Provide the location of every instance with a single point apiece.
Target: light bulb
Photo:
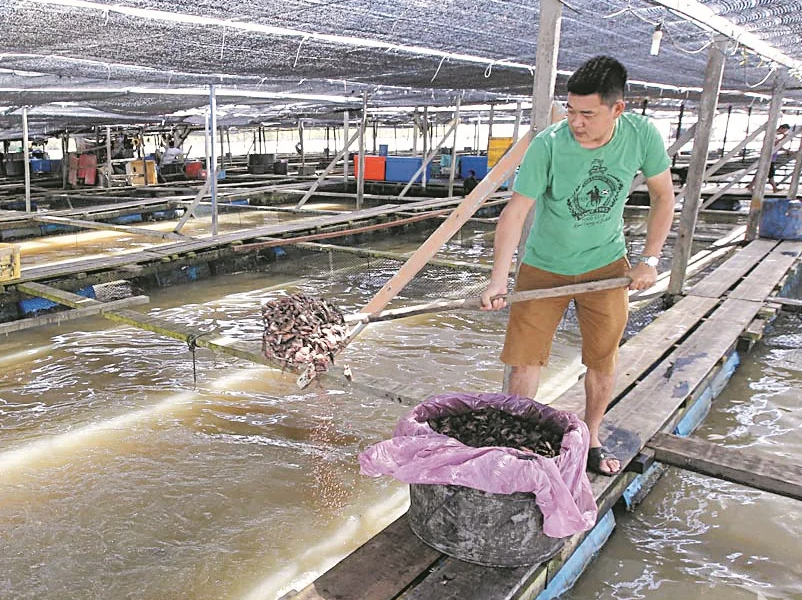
(656, 37)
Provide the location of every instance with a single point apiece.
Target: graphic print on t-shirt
(595, 197)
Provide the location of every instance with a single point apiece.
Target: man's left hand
(643, 276)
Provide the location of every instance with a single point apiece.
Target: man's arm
(658, 224)
(508, 235)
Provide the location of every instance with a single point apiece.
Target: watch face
(652, 261)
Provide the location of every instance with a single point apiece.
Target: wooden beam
(796, 305)
(71, 315)
(707, 112)
(746, 467)
(427, 158)
(191, 208)
(453, 170)
(759, 182)
(464, 211)
(26, 157)
(83, 224)
(326, 172)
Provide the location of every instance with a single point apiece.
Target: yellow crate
(9, 262)
(496, 148)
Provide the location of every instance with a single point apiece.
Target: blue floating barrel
(477, 164)
(781, 219)
(383, 149)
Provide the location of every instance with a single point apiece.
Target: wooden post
(794, 187)
(748, 122)
(301, 142)
(375, 135)
(679, 130)
(65, 158)
(490, 123)
(707, 113)
(109, 168)
(415, 132)
(345, 148)
(726, 129)
(228, 142)
(425, 142)
(518, 115)
(548, 45)
(360, 180)
(211, 169)
(26, 157)
(453, 169)
(762, 175)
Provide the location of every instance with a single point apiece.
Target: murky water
(698, 537)
(121, 476)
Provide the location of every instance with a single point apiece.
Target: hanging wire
(438, 69)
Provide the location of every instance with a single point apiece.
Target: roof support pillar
(490, 123)
(762, 175)
(65, 158)
(452, 171)
(211, 167)
(26, 154)
(301, 142)
(109, 169)
(360, 180)
(345, 148)
(425, 142)
(548, 45)
(517, 128)
(693, 186)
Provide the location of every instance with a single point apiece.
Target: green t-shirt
(580, 193)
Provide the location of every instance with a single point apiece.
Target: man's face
(592, 121)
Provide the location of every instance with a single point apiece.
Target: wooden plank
(728, 274)
(632, 422)
(378, 570)
(71, 315)
(638, 354)
(794, 305)
(82, 224)
(764, 278)
(745, 467)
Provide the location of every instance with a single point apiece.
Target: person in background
(469, 183)
(576, 174)
(782, 131)
(170, 155)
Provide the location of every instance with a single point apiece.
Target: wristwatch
(652, 261)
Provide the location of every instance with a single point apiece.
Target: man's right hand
(489, 301)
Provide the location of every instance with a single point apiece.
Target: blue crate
(383, 149)
(402, 168)
(477, 164)
(34, 305)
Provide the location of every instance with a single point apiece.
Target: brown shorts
(602, 318)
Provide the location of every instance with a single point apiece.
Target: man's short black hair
(601, 75)
(784, 126)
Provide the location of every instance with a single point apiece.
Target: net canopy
(152, 60)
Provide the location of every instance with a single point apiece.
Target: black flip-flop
(596, 456)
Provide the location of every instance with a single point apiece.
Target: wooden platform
(665, 369)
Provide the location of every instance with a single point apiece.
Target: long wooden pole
(762, 175)
(26, 155)
(475, 303)
(517, 128)
(360, 180)
(453, 170)
(427, 158)
(737, 178)
(690, 208)
(109, 169)
(425, 142)
(325, 173)
(448, 228)
(345, 149)
(212, 167)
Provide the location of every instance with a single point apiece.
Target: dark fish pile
(493, 427)
(301, 330)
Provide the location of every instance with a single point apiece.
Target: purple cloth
(418, 454)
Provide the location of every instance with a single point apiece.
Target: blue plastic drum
(781, 219)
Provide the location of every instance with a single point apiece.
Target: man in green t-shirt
(577, 174)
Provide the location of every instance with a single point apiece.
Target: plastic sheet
(418, 454)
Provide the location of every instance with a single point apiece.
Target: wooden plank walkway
(665, 366)
(744, 466)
